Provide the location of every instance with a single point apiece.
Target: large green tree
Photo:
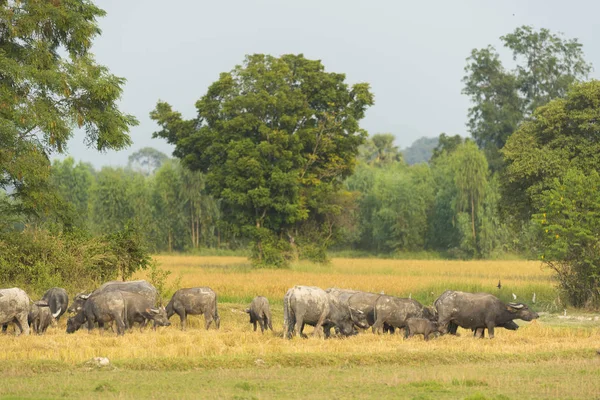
(50, 85)
(561, 135)
(547, 65)
(552, 163)
(274, 136)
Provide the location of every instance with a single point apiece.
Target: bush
(37, 259)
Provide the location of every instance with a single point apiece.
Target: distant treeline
(449, 206)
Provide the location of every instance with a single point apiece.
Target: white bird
(565, 312)
(514, 296)
(533, 298)
(410, 295)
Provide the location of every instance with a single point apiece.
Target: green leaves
(569, 223)
(547, 66)
(270, 136)
(44, 96)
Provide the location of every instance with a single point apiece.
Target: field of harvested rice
(553, 357)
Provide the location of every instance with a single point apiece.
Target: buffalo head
(159, 316)
(78, 303)
(521, 311)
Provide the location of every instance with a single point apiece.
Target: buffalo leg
(254, 323)
(299, 325)
(182, 318)
(377, 326)
(319, 324)
(490, 330)
(261, 323)
(208, 319)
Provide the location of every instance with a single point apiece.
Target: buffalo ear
(247, 310)
(511, 309)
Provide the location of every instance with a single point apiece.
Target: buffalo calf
(421, 326)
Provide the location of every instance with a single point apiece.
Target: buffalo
(58, 301)
(141, 310)
(313, 306)
(101, 308)
(14, 308)
(194, 301)
(40, 316)
(421, 326)
(361, 306)
(260, 313)
(478, 311)
(396, 311)
(141, 287)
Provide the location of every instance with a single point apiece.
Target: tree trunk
(473, 216)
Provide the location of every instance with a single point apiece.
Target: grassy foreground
(553, 357)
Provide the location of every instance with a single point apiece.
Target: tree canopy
(551, 175)
(547, 65)
(50, 85)
(274, 136)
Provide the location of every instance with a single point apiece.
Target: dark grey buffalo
(194, 301)
(40, 316)
(395, 311)
(260, 313)
(14, 308)
(361, 306)
(101, 308)
(141, 287)
(313, 306)
(421, 326)
(138, 308)
(478, 311)
(58, 300)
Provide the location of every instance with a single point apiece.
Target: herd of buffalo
(125, 303)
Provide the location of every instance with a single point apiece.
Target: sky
(412, 53)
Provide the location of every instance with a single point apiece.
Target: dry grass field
(553, 357)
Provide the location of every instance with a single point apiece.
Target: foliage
(560, 136)
(49, 85)
(445, 145)
(547, 65)
(570, 220)
(146, 160)
(393, 206)
(73, 184)
(552, 166)
(379, 150)
(272, 136)
(420, 151)
(38, 259)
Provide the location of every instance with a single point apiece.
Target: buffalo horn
(57, 313)
(517, 306)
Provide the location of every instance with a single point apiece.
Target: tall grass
(235, 281)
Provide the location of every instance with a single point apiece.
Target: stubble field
(553, 357)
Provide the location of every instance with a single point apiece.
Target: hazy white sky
(411, 52)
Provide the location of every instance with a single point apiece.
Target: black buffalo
(58, 300)
(478, 311)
